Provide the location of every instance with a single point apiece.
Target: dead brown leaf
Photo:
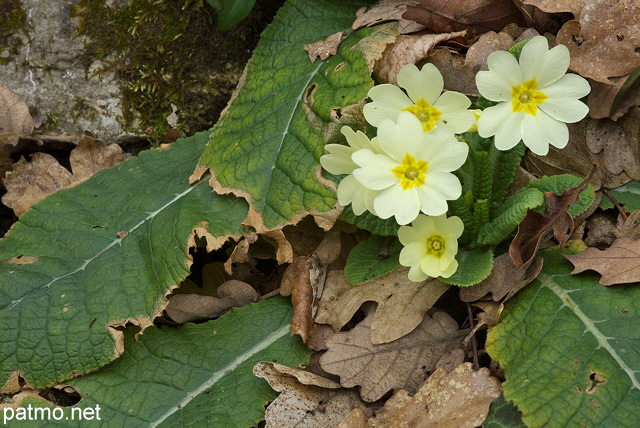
(603, 40)
(195, 307)
(505, 279)
(602, 95)
(15, 120)
(618, 264)
(29, 182)
(296, 282)
(458, 399)
(306, 399)
(460, 74)
(557, 6)
(408, 49)
(474, 16)
(403, 363)
(325, 48)
(386, 10)
(401, 303)
(535, 226)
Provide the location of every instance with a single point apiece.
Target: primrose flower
(412, 173)
(338, 161)
(425, 100)
(430, 246)
(536, 97)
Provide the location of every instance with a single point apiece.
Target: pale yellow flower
(338, 161)
(430, 246)
(412, 172)
(536, 97)
(424, 99)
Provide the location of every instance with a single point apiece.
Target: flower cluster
(408, 171)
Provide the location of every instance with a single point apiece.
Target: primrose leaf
(91, 258)
(268, 145)
(231, 12)
(558, 183)
(502, 414)
(568, 347)
(193, 375)
(370, 222)
(629, 195)
(372, 258)
(473, 267)
(504, 163)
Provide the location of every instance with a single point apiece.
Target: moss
(52, 125)
(12, 19)
(167, 52)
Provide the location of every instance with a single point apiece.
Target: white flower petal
(338, 161)
(453, 107)
(492, 86)
(431, 202)
(456, 227)
(556, 63)
(394, 201)
(413, 253)
(388, 101)
(423, 84)
(532, 58)
(430, 265)
(348, 189)
(398, 139)
(449, 158)
(375, 172)
(424, 226)
(357, 140)
(510, 134)
(492, 119)
(453, 267)
(569, 86)
(541, 130)
(416, 274)
(445, 184)
(506, 67)
(565, 109)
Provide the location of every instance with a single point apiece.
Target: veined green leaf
(193, 375)
(370, 222)
(365, 262)
(569, 349)
(503, 414)
(558, 183)
(267, 147)
(504, 164)
(628, 194)
(99, 255)
(473, 267)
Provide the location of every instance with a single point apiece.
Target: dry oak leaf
(15, 120)
(604, 40)
(459, 399)
(474, 16)
(602, 95)
(408, 49)
(557, 6)
(30, 182)
(535, 227)
(306, 399)
(296, 282)
(460, 74)
(196, 307)
(403, 363)
(618, 264)
(386, 10)
(401, 302)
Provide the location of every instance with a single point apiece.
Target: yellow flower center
(425, 113)
(526, 97)
(412, 173)
(435, 246)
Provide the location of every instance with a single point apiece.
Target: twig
(615, 202)
(474, 343)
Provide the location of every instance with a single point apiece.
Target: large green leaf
(569, 349)
(194, 375)
(83, 276)
(267, 147)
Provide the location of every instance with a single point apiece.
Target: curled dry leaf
(602, 95)
(387, 10)
(535, 226)
(474, 16)
(458, 399)
(306, 399)
(195, 307)
(15, 120)
(29, 182)
(618, 264)
(557, 6)
(296, 282)
(403, 363)
(401, 302)
(325, 48)
(408, 49)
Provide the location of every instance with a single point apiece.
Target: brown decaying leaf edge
(536, 226)
(618, 264)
